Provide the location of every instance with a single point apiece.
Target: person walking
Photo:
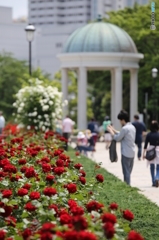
(2, 123)
(140, 129)
(107, 135)
(67, 129)
(152, 139)
(127, 138)
(93, 127)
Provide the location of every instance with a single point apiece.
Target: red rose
(45, 160)
(22, 192)
(27, 186)
(109, 230)
(8, 211)
(128, 215)
(23, 169)
(82, 172)
(7, 193)
(77, 153)
(82, 180)
(4, 162)
(65, 219)
(30, 172)
(54, 206)
(46, 167)
(57, 152)
(11, 221)
(109, 217)
(100, 178)
(47, 227)
(46, 236)
(72, 203)
(76, 211)
(22, 161)
(78, 165)
(134, 236)
(59, 163)
(113, 206)
(71, 187)
(79, 223)
(10, 168)
(30, 207)
(26, 234)
(2, 234)
(71, 235)
(83, 235)
(49, 191)
(59, 170)
(63, 156)
(93, 206)
(34, 195)
(50, 178)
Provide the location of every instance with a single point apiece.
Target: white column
(82, 99)
(116, 96)
(64, 83)
(133, 93)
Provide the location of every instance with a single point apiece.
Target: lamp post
(154, 75)
(30, 29)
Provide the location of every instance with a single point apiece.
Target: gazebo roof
(99, 37)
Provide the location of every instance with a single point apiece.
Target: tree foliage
(136, 22)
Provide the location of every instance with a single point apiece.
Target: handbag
(151, 154)
(112, 152)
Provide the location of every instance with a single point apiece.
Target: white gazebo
(101, 46)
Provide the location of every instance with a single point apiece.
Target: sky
(20, 7)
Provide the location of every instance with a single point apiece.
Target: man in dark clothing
(140, 128)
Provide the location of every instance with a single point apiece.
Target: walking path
(140, 177)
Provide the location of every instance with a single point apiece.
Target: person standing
(140, 129)
(67, 129)
(127, 138)
(152, 139)
(107, 135)
(2, 122)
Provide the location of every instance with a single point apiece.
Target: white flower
(35, 114)
(39, 116)
(43, 128)
(45, 107)
(28, 127)
(50, 102)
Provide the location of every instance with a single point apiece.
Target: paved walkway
(140, 176)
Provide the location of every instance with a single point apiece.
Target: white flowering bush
(38, 106)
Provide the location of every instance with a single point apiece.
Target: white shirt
(67, 125)
(2, 122)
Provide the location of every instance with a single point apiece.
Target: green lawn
(114, 190)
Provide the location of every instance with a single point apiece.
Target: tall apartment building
(72, 12)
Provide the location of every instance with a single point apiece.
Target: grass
(114, 190)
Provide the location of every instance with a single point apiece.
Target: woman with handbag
(152, 152)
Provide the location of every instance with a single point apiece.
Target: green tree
(11, 71)
(136, 22)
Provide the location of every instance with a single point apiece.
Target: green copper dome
(99, 37)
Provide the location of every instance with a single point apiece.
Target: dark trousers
(66, 135)
(127, 166)
(139, 145)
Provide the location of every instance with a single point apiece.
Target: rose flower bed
(45, 195)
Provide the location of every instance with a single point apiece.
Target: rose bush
(38, 106)
(46, 195)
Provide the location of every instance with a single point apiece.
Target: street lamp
(30, 29)
(154, 75)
